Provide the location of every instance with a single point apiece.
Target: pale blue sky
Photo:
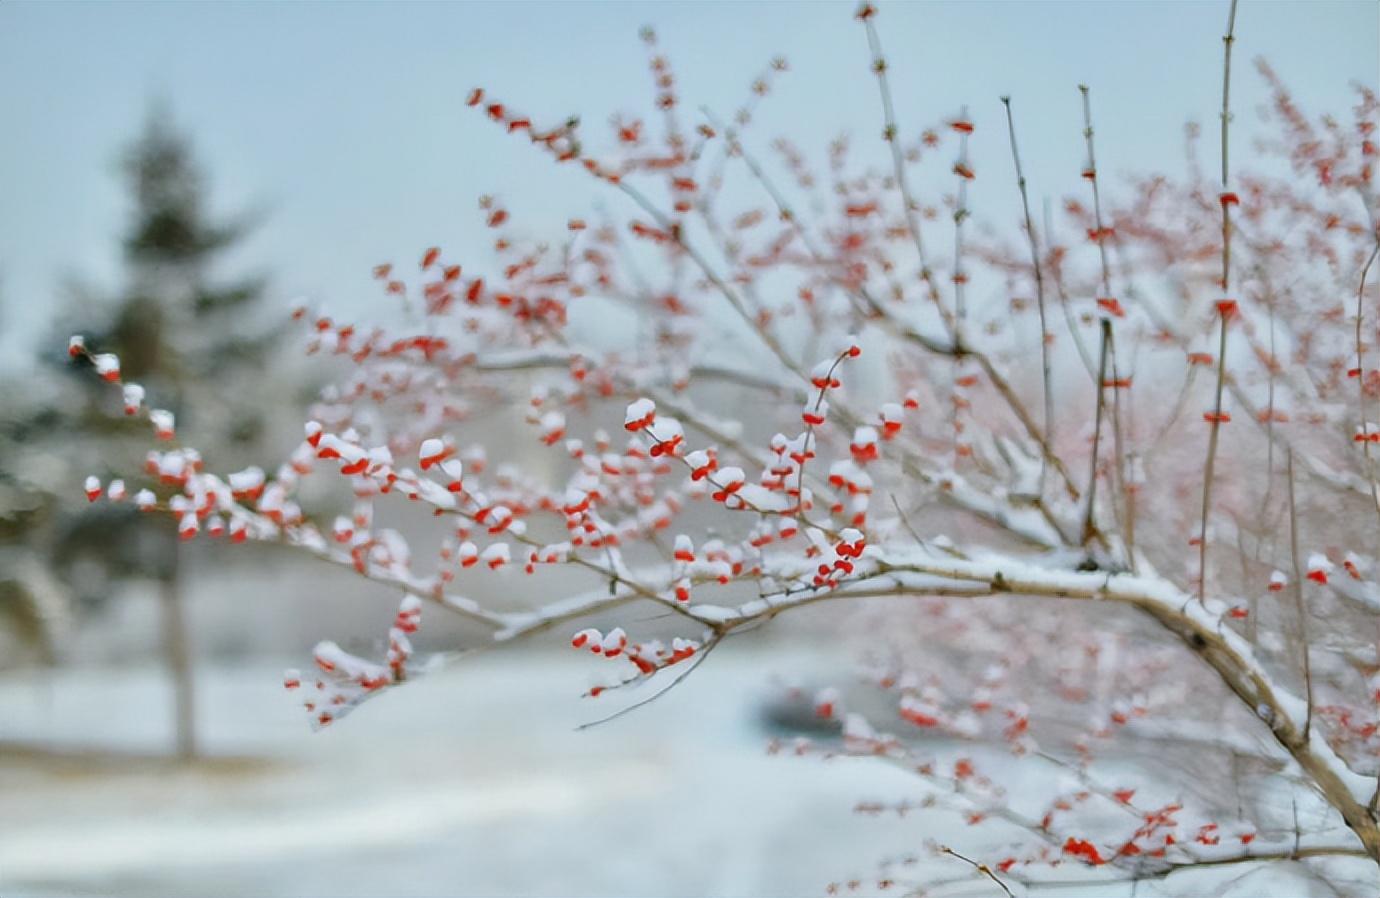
(344, 122)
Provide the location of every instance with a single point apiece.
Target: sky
(341, 127)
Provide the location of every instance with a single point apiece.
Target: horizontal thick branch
(1200, 628)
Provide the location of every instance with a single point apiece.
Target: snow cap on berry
(640, 414)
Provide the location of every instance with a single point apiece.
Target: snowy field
(470, 782)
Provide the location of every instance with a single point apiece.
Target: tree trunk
(178, 649)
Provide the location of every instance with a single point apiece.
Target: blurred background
(174, 177)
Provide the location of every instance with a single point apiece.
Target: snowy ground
(470, 782)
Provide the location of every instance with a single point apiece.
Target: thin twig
(981, 868)
(689, 669)
(891, 135)
(1107, 328)
(1224, 313)
(1361, 381)
(1056, 276)
(1091, 174)
(1298, 597)
(962, 171)
(1089, 515)
(905, 521)
(1039, 288)
(1119, 446)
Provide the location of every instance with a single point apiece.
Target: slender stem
(1270, 406)
(1118, 478)
(981, 868)
(1057, 277)
(1298, 596)
(1215, 422)
(1088, 518)
(1227, 40)
(1125, 492)
(959, 278)
(1091, 175)
(1365, 443)
(890, 134)
(1361, 381)
(961, 215)
(1031, 239)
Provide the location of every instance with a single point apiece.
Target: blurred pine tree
(191, 338)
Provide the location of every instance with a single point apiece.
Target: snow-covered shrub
(1124, 477)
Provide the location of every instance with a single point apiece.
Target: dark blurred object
(792, 713)
(34, 606)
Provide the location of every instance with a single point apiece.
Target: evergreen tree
(188, 336)
(177, 327)
(32, 602)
